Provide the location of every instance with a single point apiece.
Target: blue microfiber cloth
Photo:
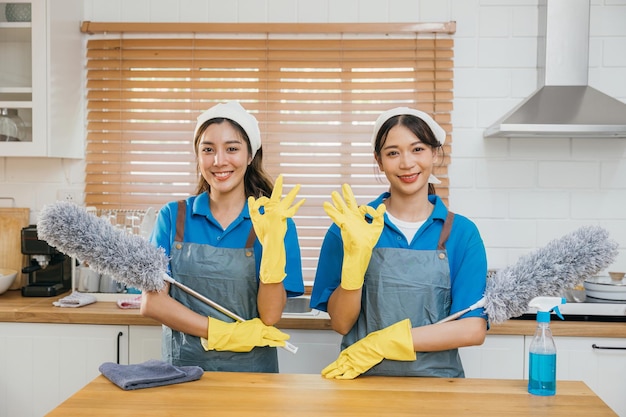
(152, 373)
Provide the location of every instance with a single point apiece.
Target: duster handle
(288, 346)
(478, 304)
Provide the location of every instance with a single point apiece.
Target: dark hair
(257, 182)
(416, 125)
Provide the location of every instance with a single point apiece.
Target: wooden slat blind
(316, 100)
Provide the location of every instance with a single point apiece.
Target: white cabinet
(500, 357)
(42, 365)
(316, 350)
(603, 370)
(41, 77)
(144, 343)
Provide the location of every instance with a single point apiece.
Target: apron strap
(180, 227)
(251, 238)
(445, 231)
(180, 221)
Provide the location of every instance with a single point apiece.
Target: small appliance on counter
(49, 271)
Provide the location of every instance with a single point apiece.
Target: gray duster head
(129, 259)
(562, 264)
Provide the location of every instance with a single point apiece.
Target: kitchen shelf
(41, 77)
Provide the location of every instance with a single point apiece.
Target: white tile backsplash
(568, 175)
(599, 205)
(194, 11)
(313, 11)
(282, 11)
(469, 143)
(539, 204)
(249, 11)
(144, 11)
(554, 149)
(221, 11)
(522, 193)
(434, 10)
(613, 176)
(371, 10)
(405, 10)
(524, 21)
(495, 22)
(514, 234)
(343, 11)
(506, 174)
(480, 204)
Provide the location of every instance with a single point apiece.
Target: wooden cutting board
(12, 220)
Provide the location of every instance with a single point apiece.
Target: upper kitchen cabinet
(41, 78)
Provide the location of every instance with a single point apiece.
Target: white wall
(521, 193)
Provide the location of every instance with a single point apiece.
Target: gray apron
(405, 283)
(226, 276)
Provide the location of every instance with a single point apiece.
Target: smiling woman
(315, 94)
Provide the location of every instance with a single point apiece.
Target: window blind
(316, 97)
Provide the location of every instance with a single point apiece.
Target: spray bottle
(542, 361)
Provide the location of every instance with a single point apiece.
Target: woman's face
(406, 161)
(223, 158)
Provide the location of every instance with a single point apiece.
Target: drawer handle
(119, 336)
(608, 347)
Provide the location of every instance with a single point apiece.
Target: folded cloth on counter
(152, 373)
(134, 302)
(75, 299)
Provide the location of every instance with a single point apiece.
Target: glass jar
(11, 126)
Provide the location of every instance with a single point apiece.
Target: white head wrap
(437, 130)
(234, 111)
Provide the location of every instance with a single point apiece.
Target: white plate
(605, 284)
(606, 296)
(604, 303)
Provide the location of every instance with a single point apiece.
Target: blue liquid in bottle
(542, 374)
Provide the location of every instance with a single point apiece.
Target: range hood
(563, 105)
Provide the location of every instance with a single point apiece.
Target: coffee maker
(49, 271)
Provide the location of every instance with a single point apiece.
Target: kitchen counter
(18, 309)
(294, 395)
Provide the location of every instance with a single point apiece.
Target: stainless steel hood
(563, 105)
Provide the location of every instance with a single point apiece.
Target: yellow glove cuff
(242, 336)
(353, 269)
(401, 340)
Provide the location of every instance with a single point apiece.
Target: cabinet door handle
(608, 347)
(119, 336)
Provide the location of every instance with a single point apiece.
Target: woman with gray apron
(389, 271)
(234, 242)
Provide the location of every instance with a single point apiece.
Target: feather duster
(560, 265)
(129, 259)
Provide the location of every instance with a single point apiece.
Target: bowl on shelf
(605, 288)
(616, 276)
(17, 12)
(7, 276)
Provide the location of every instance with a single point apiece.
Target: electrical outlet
(72, 195)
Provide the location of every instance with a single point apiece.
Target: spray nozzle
(545, 305)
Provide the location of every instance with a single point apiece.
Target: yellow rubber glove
(359, 236)
(271, 227)
(394, 342)
(242, 336)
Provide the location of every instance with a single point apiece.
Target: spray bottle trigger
(558, 312)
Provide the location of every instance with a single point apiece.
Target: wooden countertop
(294, 395)
(18, 309)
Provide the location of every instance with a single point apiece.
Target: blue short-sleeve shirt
(202, 228)
(466, 255)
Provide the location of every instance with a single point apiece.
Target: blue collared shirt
(466, 256)
(202, 228)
